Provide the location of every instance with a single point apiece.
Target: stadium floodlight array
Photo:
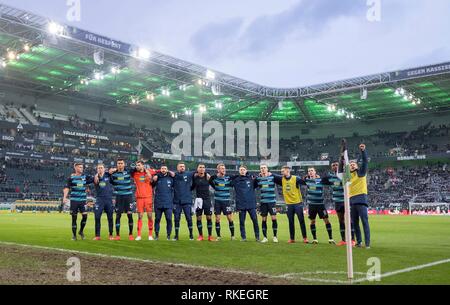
(115, 70)
(55, 28)
(210, 75)
(340, 112)
(150, 96)
(12, 55)
(165, 92)
(99, 75)
(408, 96)
(143, 53)
(202, 82)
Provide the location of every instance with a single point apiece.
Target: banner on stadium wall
(84, 135)
(419, 72)
(166, 156)
(99, 40)
(407, 158)
(8, 138)
(55, 158)
(210, 161)
(43, 156)
(308, 163)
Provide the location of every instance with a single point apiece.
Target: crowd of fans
(425, 140)
(389, 188)
(43, 180)
(403, 185)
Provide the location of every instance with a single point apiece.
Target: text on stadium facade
(85, 135)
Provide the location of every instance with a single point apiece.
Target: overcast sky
(279, 43)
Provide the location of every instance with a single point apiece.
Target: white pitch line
(414, 268)
(129, 258)
(286, 276)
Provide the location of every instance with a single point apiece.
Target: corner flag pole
(344, 168)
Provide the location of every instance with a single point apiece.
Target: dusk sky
(278, 43)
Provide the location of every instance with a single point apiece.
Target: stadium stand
(22, 177)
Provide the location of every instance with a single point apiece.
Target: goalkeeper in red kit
(144, 196)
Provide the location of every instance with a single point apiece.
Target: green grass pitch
(398, 241)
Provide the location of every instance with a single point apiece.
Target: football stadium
(118, 158)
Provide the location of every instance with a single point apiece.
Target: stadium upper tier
(46, 135)
(50, 59)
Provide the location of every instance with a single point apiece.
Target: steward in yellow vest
(294, 200)
(358, 181)
(358, 198)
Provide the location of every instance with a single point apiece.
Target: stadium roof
(50, 59)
